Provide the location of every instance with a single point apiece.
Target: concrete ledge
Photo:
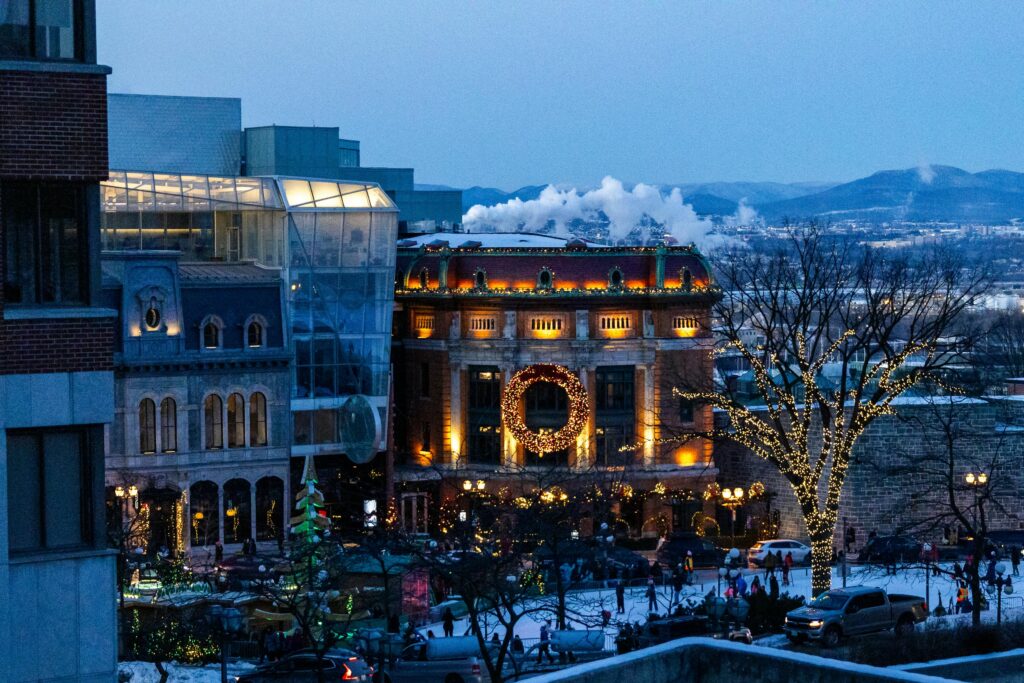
(972, 667)
(56, 312)
(709, 661)
(53, 67)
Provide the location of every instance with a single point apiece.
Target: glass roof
(169, 191)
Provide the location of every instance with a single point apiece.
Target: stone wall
(874, 498)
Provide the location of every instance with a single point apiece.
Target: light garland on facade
(579, 408)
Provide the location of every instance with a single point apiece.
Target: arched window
(254, 335)
(544, 279)
(257, 419)
(686, 278)
(615, 278)
(147, 426)
(211, 335)
(213, 410)
(236, 421)
(168, 425)
(480, 279)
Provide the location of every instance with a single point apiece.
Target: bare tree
(842, 332)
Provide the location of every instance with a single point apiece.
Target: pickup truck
(854, 611)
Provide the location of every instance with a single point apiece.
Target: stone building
(473, 309)
(202, 426)
(894, 482)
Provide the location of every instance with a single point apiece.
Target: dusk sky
(508, 94)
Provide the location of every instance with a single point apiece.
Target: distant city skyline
(511, 94)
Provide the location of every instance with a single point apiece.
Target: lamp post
(732, 499)
(1001, 583)
(226, 621)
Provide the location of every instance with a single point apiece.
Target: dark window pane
(257, 420)
(147, 426)
(65, 480)
(214, 421)
(15, 33)
(24, 494)
(55, 29)
(236, 421)
(20, 217)
(169, 425)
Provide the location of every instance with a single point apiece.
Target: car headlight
(787, 620)
(817, 623)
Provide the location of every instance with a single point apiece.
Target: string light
(579, 408)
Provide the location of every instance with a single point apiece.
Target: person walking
(545, 643)
(769, 566)
(849, 538)
(218, 552)
(677, 586)
(652, 596)
(449, 622)
(773, 588)
(1015, 559)
(688, 567)
(787, 565)
(620, 596)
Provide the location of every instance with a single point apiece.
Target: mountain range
(930, 193)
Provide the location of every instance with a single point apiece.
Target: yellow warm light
(685, 457)
(423, 333)
(231, 512)
(546, 334)
(467, 485)
(135, 331)
(173, 329)
(615, 334)
(686, 332)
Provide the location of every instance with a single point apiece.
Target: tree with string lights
(841, 331)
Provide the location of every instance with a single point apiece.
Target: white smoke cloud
(926, 173)
(624, 210)
(745, 215)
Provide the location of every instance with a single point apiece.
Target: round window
(152, 318)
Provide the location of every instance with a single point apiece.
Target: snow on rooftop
(487, 240)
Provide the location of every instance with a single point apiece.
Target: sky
(506, 94)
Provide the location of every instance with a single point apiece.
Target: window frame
(168, 425)
(218, 325)
(233, 425)
(258, 418)
(213, 439)
(78, 37)
(147, 426)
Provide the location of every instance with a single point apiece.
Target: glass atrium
(334, 242)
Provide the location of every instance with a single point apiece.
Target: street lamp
(467, 485)
(1001, 584)
(226, 621)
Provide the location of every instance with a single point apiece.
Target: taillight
(347, 673)
(475, 670)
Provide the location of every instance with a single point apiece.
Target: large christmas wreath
(578, 407)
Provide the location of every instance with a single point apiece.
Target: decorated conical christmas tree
(310, 519)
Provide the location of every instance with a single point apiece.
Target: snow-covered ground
(144, 672)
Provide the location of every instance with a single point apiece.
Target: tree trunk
(164, 673)
(821, 563)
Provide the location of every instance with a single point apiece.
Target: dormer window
(545, 278)
(480, 279)
(615, 278)
(152, 318)
(210, 332)
(254, 334)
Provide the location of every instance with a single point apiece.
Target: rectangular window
(484, 413)
(425, 380)
(680, 322)
(686, 411)
(45, 238)
(424, 322)
(425, 436)
(615, 322)
(482, 324)
(546, 324)
(50, 488)
(40, 29)
(614, 414)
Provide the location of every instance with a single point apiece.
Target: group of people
(275, 644)
(775, 561)
(971, 569)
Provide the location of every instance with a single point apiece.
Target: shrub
(767, 615)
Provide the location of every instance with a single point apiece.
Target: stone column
(508, 443)
(456, 432)
(220, 512)
(585, 445)
(647, 415)
(252, 510)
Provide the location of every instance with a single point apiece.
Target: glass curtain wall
(334, 242)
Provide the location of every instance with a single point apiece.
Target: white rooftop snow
(490, 240)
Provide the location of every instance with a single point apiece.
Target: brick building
(57, 579)
(472, 309)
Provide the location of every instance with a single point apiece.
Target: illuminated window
(616, 322)
(168, 425)
(152, 317)
(424, 322)
(680, 322)
(546, 324)
(424, 278)
(236, 421)
(257, 419)
(482, 324)
(147, 426)
(211, 334)
(213, 413)
(685, 278)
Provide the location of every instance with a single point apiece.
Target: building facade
(57, 577)
(332, 244)
(202, 427)
(630, 322)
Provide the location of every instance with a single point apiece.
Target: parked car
(705, 553)
(439, 660)
(759, 551)
(855, 611)
(303, 667)
(894, 548)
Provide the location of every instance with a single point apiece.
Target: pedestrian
(958, 572)
(517, 645)
(741, 586)
(449, 622)
(755, 585)
(769, 565)
(545, 643)
(652, 596)
(620, 596)
(677, 586)
(1015, 559)
(218, 552)
(688, 567)
(787, 565)
(773, 587)
(606, 618)
(277, 643)
(495, 639)
(990, 573)
(961, 597)
(850, 537)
